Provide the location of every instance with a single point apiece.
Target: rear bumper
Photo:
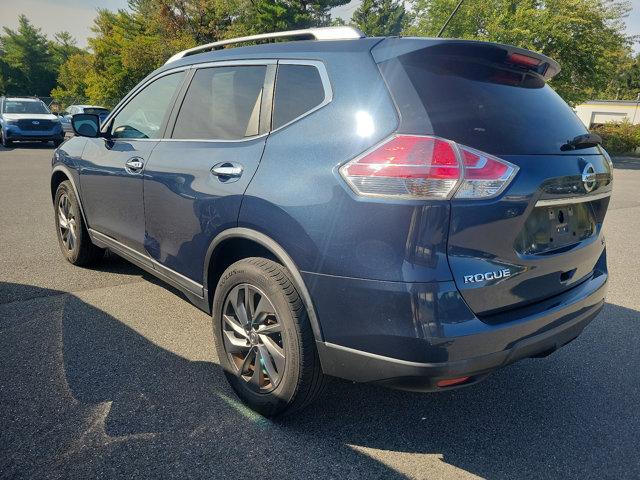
(469, 347)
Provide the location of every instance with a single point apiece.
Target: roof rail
(322, 33)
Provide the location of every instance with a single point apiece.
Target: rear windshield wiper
(582, 141)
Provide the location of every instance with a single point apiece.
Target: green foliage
(618, 138)
(379, 18)
(262, 16)
(586, 37)
(123, 53)
(62, 48)
(625, 82)
(26, 67)
(128, 45)
(72, 80)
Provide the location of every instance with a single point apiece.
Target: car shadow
(85, 395)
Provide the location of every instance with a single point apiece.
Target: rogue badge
(483, 277)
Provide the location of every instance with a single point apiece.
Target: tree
(379, 18)
(194, 21)
(129, 44)
(126, 48)
(72, 79)
(625, 83)
(585, 36)
(26, 67)
(62, 47)
(263, 16)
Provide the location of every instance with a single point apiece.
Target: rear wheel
(73, 237)
(264, 339)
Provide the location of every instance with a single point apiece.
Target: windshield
(24, 106)
(490, 107)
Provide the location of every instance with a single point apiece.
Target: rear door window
(299, 89)
(488, 107)
(222, 103)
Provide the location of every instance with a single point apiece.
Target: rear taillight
(422, 167)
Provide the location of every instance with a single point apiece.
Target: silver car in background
(72, 110)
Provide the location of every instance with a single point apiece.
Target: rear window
(490, 107)
(299, 89)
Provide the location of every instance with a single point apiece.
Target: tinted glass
(143, 115)
(16, 106)
(222, 103)
(96, 111)
(298, 90)
(491, 108)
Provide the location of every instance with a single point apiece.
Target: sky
(76, 16)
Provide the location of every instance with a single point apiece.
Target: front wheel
(6, 143)
(73, 238)
(264, 338)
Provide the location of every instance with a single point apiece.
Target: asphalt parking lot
(108, 373)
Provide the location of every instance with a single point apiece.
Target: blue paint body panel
(186, 206)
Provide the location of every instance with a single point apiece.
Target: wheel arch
(267, 247)
(59, 174)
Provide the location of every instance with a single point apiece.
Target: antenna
(455, 10)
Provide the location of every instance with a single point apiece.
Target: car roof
(23, 99)
(308, 49)
(88, 106)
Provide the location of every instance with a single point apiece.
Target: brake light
(523, 60)
(423, 167)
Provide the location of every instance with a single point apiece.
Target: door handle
(134, 165)
(227, 170)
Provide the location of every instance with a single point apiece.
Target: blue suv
(28, 119)
(410, 212)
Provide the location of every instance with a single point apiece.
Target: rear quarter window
(299, 89)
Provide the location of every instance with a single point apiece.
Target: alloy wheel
(67, 223)
(252, 335)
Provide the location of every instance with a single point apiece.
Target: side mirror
(86, 125)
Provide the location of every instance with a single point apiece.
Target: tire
(5, 143)
(298, 377)
(57, 143)
(74, 240)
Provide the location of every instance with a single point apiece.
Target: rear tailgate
(542, 234)
(541, 238)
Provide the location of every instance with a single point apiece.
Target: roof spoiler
(494, 52)
(324, 33)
